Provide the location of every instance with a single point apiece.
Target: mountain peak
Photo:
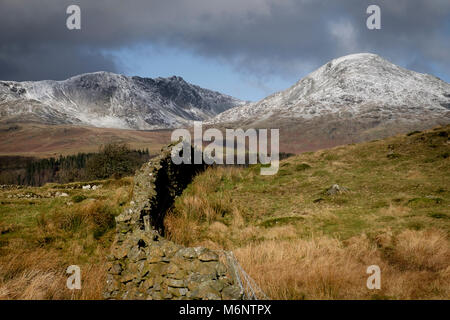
(358, 64)
(176, 78)
(356, 57)
(95, 74)
(356, 85)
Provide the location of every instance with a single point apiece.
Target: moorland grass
(44, 234)
(298, 242)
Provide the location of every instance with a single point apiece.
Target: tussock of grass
(327, 268)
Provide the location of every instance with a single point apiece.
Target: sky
(245, 48)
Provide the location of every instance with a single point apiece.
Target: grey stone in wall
(145, 265)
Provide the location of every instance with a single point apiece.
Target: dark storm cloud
(261, 37)
(49, 62)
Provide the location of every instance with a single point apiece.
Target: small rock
(188, 253)
(127, 278)
(231, 293)
(208, 255)
(120, 252)
(335, 189)
(116, 269)
(175, 283)
(178, 292)
(172, 268)
(147, 284)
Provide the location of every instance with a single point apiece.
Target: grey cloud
(260, 37)
(50, 62)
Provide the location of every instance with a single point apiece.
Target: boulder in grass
(336, 189)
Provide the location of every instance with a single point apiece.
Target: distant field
(299, 241)
(43, 141)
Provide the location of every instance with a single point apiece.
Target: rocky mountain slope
(349, 99)
(103, 99)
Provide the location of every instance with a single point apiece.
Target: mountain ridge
(105, 99)
(350, 99)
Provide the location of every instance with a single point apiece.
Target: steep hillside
(300, 237)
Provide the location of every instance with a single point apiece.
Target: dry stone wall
(145, 265)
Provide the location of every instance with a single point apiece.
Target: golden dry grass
(49, 235)
(40, 274)
(297, 242)
(326, 268)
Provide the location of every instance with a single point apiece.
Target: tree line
(112, 160)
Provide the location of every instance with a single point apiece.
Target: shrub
(302, 167)
(413, 133)
(78, 198)
(113, 160)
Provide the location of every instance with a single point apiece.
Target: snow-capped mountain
(348, 97)
(104, 99)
